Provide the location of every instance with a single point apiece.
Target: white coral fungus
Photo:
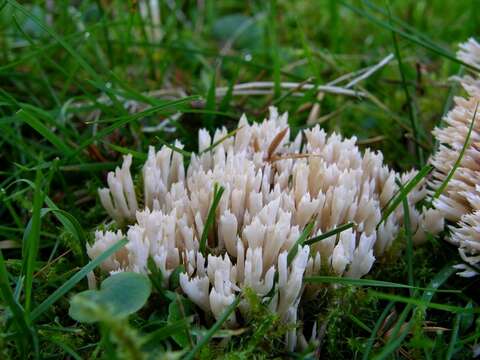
(460, 200)
(273, 188)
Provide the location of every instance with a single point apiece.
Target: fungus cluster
(270, 190)
(460, 200)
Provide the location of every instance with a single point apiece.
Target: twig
(266, 87)
(361, 75)
(369, 72)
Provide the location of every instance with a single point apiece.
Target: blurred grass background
(82, 82)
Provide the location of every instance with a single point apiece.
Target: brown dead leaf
(276, 142)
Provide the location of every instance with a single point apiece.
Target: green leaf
(174, 281)
(172, 329)
(127, 292)
(156, 276)
(85, 306)
(178, 310)
(243, 31)
(120, 295)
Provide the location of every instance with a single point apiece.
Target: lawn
(83, 83)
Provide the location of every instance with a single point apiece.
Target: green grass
(65, 73)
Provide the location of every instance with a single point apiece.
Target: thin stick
(369, 72)
(262, 86)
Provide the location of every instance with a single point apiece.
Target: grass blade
(174, 148)
(396, 341)
(211, 103)
(43, 73)
(44, 131)
(9, 300)
(373, 336)
(408, 235)
(427, 304)
(166, 331)
(409, 186)
(86, 66)
(438, 281)
(326, 235)
(411, 109)
(399, 22)
(445, 182)
(32, 243)
(227, 98)
(68, 220)
(66, 348)
(429, 45)
(217, 194)
(122, 150)
(301, 239)
(204, 340)
(68, 285)
(359, 323)
(124, 120)
(89, 167)
(453, 337)
(222, 139)
(369, 282)
(274, 49)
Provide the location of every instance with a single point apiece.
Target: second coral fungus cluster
(459, 201)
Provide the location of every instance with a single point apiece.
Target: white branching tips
(119, 199)
(273, 190)
(470, 52)
(459, 202)
(161, 170)
(104, 240)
